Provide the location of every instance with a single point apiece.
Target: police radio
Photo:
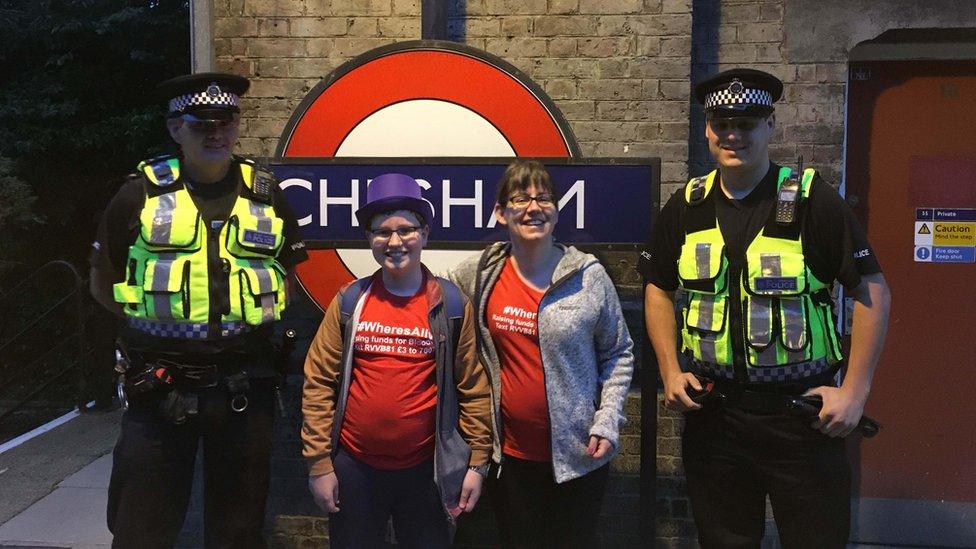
(789, 196)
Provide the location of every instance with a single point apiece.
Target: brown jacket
(324, 364)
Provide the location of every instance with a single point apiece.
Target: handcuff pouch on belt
(178, 407)
(237, 385)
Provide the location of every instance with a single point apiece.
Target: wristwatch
(480, 469)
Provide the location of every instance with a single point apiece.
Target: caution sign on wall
(945, 235)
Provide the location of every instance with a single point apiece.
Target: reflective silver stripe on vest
(265, 297)
(160, 286)
(794, 323)
(768, 357)
(706, 348)
(771, 264)
(761, 326)
(163, 218)
(761, 313)
(257, 210)
(703, 259)
(706, 311)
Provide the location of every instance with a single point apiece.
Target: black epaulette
(697, 195)
(166, 180)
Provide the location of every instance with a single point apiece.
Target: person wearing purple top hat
(396, 406)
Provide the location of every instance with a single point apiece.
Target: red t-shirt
(390, 417)
(513, 308)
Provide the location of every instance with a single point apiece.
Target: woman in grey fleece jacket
(564, 420)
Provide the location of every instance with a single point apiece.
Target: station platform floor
(53, 488)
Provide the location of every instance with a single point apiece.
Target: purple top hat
(390, 192)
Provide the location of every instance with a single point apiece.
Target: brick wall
(810, 116)
(288, 46)
(618, 69)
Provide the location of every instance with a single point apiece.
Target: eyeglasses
(523, 200)
(202, 127)
(744, 125)
(405, 233)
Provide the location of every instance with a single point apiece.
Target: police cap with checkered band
(203, 96)
(739, 93)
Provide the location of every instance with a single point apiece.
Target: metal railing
(42, 341)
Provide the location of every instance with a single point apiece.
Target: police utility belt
(717, 392)
(180, 381)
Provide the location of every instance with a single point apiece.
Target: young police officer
(193, 252)
(755, 248)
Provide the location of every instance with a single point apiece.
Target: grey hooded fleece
(587, 353)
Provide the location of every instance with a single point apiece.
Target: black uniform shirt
(119, 228)
(834, 244)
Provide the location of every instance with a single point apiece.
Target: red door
(912, 144)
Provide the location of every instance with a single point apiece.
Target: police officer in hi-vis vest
(754, 248)
(193, 252)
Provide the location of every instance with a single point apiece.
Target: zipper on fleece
(545, 383)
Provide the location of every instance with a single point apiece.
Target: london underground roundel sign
(415, 99)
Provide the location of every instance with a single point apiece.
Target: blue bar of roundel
(617, 200)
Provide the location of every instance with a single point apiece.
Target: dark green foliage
(77, 111)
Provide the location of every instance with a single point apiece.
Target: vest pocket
(702, 266)
(171, 228)
(129, 295)
(262, 293)
(777, 330)
(254, 237)
(166, 287)
(782, 273)
(706, 328)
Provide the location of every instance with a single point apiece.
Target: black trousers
(368, 497)
(152, 471)
(733, 459)
(534, 512)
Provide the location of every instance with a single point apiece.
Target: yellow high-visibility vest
(787, 329)
(175, 259)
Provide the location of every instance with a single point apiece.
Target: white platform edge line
(15, 442)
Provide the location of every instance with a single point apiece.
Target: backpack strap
(348, 297)
(454, 303)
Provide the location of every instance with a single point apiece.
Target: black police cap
(205, 95)
(739, 93)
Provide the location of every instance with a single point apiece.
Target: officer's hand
(325, 491)
(598, 447)
(840, 413)
(675, 392)
(470, 491)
